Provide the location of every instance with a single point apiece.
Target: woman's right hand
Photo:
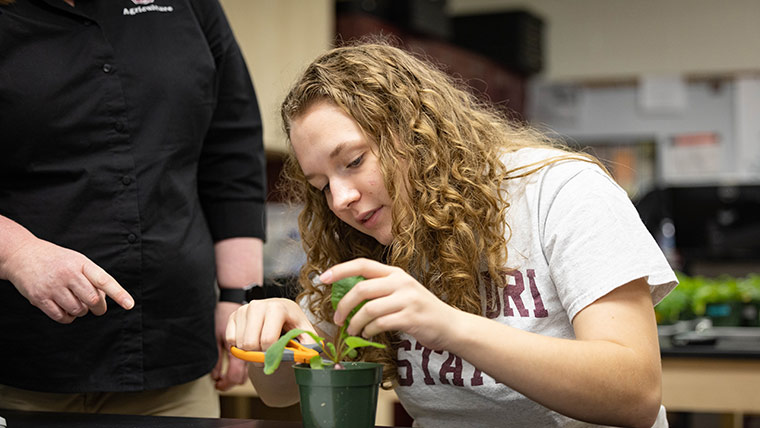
(255, 327)
(258, 324)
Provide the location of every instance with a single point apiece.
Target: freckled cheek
(371, 187)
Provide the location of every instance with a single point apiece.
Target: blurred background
(666, 93)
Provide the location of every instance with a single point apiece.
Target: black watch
(242, 295)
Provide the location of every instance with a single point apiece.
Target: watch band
(242, 295)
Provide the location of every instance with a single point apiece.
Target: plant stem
(339, 343)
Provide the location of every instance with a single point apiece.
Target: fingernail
(338, 320)
(129, 303)
(326, 276)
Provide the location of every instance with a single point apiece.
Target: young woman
(513, 280)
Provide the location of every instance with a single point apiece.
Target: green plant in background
(749, 288)
(694, 293)
(718, 290)
(341, 347)
(673, 307)
(678, 304)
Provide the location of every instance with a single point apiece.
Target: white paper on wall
(662, 94)
(695, 155)
(747, 128)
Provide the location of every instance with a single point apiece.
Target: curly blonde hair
(439, 149)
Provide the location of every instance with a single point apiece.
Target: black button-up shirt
(130, 132)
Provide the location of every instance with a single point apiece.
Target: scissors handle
(294, 351)
(252, 356)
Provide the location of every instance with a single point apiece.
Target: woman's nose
(343, 195)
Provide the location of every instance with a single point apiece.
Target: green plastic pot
(339, 398)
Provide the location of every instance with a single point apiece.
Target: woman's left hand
(395, 301)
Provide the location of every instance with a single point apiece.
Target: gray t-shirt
(576, 236)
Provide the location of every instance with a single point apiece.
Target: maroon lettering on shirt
(450, 372)
(406, 379)
(539, 311)
(477, 378)
(513, 292)
(427, 378)
(453, 365)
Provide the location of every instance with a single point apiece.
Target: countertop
(20, 419)
(712, 342)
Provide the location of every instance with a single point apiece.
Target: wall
(278, 39)
(726, 109)
(598, 51)
(587, 42)
(622, 39)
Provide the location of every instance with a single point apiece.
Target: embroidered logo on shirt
(146, 6)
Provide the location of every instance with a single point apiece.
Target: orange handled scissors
(294, 351)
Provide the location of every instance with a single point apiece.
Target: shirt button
(119, 126)
(107, 68)
(126, 180)
(132, 238)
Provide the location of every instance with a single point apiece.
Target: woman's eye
(356, 162)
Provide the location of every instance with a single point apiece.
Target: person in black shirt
(131, 166)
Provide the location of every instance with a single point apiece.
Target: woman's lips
(370, 219)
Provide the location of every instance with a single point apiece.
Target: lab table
(718, 376)
(21, 419)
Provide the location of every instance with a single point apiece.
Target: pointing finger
(103, 281)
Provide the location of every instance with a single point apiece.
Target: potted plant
(334, 392)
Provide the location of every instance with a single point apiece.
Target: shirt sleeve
(594, 239)
(232, 167)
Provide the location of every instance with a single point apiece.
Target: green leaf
(273, 355)
(358, 342)
(341, 287)
(317, 363)
(331, 347)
